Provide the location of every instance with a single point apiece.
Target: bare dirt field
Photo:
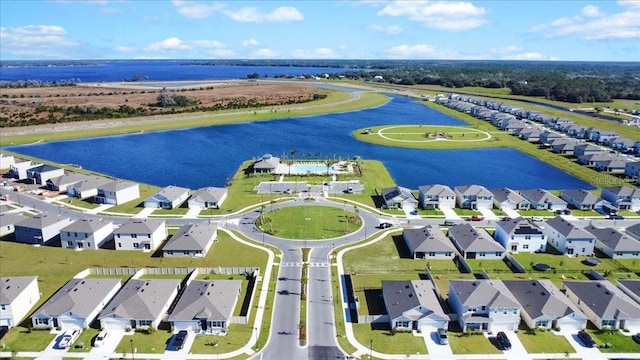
(32, 106)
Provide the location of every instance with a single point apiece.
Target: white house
(8, 222)
(436, 197)
(40, 229)
(87, 187)
(615, 244)
(88, 233)
(604, 304)
(484, 305)
(475, 243)
(192, 240)
(398, 197)
(140, 304)
(568, 238)
(117, 192)
(18, 170)
(40, 174)
(6, 161)
(505, 198)
(428, 242)
(169, 197)
(61, 183)
(413, 305)
(17, 296)
(541, 199)
(623, 197)
(473, 197)
(76, 304)
(520, 235)
(208, 198)
(630, 287)
(140, 234)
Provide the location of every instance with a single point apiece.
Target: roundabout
(424, 136)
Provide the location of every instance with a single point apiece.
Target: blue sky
(181, 29)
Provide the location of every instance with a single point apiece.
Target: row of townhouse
(437, 196)
(521, 235)
(192, 239)
(204, 306)
(495, 305)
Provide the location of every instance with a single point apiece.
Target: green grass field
(310, 222)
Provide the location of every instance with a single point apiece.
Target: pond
(208, 156)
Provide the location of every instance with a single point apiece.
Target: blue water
(151, 70)
(207, 156)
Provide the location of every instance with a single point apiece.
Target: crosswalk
(299, 264)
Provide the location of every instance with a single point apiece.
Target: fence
(515, 265)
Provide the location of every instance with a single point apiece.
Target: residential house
(599, 136)
(140, 234)
(577, 131)
(580, 199)
(484, 305)
(398, 197)
(413, 305)
(562, 124)
(547, 136)
(61, 183)
(436, 197)
(40, 229)
(633, 231)
(75, 305)
(544, 306)
(169, 197)
(6, 161)
(520, 235)
(473, 197)
(620, 143)
(622, 197)
(475, 243)
(17, 296)
(592, 159)
(87, 233)
(428, 242)
(87, 188)
(605, 305)
(40, 174)
(630, 287)
(615, 244)
(568, 238)
(614, 166)
(208, 198)
(18, 170)
(117, 192)
(192, 240)
(632, 169)
(583, 149)
(140, 304)
(8, 222)
(565, 147)
(541, 199)
(505, 198)
(531, 134)
(206, 306)
(266, 164)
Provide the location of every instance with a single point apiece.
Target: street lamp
(132, 356)
(371, 349)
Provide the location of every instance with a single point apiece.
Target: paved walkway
(449, 213)
(510, 212)
(144, 213)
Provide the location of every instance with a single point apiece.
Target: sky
(561, 30)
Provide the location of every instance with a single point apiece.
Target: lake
(207, 156)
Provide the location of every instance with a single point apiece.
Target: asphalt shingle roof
(141, 299)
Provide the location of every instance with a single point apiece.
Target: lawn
(489, 265)
(309, 222)
(544, 342)
(149, 343)
(375, 177)
(471, 344)
(387, 342)
(620, 342)
(238, 336)
(85, 338)
(21, 339)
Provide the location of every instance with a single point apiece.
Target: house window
(542, 323)
(170, 252)
(144, 323)
(431, 253)
(68, 233)
(80, 245)
(135, 245)
(186, 252)
(402, 324)
(88, 244)
(75, 234)
(118, 235)
(483, 308)
(40, 321)
(498, 253)
(515, 311)
(69, 243)
(609, 323)
(217, 324)
(148, 236)
(119, 244)
(3, 307)
(481, 253)
(134, 236)
(447, 253)
(527, 237)
(525, 246)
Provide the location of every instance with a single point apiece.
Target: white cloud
(252, 14)
(629, 3)
(591, 11)
(250, 43)
(389, 30)
(124, 49)
(206, 44)
(320, 53)
(264, 54)
(528, 56)
(442, 15)
(592, 24)
(42, 41)
(196, 9)
(168, 45)
(505, 50)
(407, 51)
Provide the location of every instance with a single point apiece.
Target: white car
(100, 339)
(67, 338)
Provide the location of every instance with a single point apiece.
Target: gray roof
(118, 185)
(12, 287)
(80, 296)
(472, 239)
(90, 183)
(504, 194)
(192, 237)
(140, 226)
(403, 295)
(170, 193)
(207, 299)
(397, 194)
(633, 230)
(44, 168)
(568, 229)
(68, 178)
(41, 221)
(519, 226)
(491, 293)
(623, 191)
(632, 285)
(604, 299)
(209, 194)
(476, 190)
(8, 219)
(540, 298)
(580, 195)
(538, 196)
(141, 299)
(614, 239)
(267, 161)
(428, 238)
(436, 189)
(86, 225)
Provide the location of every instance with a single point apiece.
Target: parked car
(587, 340)
(616, 217)
(636, 338)
(100, 339)
(3, 331)
(442, 336)
(385, 225)
(566, 212)
(449, 223)
(503, 341)
(537, 218)
(414, 212)
(178, 340)
(475, 218)
(65, 341)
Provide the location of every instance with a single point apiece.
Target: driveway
(517, 351)
(582, 351)
(182, 353)
(488, 214)
(110, 344)
(52, 350)
(449, 214)
(435, 349)
(510, 212)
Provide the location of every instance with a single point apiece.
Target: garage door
(68, 323)
(114, 324)
(503, 326)
(569, 325)
(5, 322)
